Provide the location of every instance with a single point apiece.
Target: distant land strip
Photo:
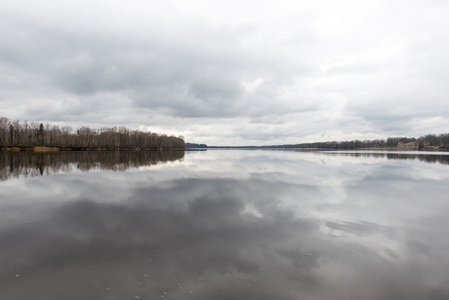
(430, 142)
(20, 136)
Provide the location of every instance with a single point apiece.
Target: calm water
(224, 225)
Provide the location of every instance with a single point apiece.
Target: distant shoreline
(56, 149)
(433, 149)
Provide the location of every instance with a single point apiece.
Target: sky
(229, 72)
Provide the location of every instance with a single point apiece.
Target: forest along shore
(24, 136)
(55, 149)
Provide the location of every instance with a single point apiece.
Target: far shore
(55, 149)
(430, 148)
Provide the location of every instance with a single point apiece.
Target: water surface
(224, 224)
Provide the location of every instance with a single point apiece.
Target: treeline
(28, 135)
(430, 141)
(426, 142)
(194, 146)
(28, 163)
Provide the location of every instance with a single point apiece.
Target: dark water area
(224, 224)
(28, 163)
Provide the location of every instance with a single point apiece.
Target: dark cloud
(146, 62)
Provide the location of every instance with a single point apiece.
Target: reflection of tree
(442, 159)
(15, 164)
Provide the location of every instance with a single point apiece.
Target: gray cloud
(362, 70)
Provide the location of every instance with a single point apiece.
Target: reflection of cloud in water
(191, 237)
(208, 246)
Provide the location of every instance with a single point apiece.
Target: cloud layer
(221, 73)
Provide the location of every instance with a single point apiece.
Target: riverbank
(54, 149)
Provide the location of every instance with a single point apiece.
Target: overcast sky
(229, 72)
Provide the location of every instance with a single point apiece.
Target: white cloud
(221, 72)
